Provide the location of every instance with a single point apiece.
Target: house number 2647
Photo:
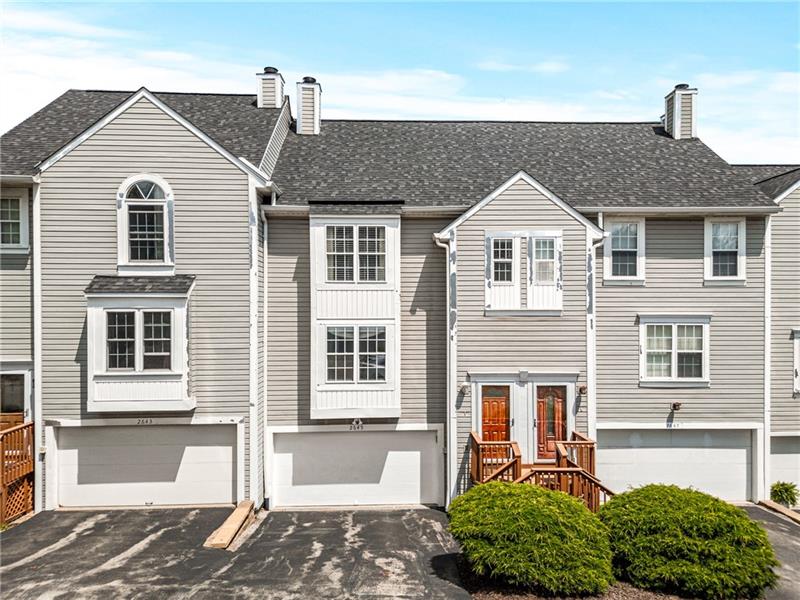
(357, 425)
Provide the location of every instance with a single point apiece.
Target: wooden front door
(495, 413)
(551, 419)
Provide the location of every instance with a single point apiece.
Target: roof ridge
(97, 91)
(490, 121)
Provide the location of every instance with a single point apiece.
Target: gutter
(677, 211)
(17, 179)
(449, 244)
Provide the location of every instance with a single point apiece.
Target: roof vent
(308, 79)
(270, 88)
(682, 86)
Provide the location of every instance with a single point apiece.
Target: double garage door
(715, 461)
(357, 468)
(146, 465)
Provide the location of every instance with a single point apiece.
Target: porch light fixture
(676, 406)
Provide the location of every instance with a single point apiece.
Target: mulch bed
(483, 589)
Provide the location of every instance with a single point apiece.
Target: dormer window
(145, 226)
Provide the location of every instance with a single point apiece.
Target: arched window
(145, 226)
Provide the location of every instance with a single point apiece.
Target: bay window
(674, 349)
(138, 340)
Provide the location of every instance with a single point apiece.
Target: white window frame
(392, 346)
(356, 254)
(27, 414)
(514, 260)
(21, 195)
(674, 321)
(708, 262)
(641, 255)
(796, 360)
(111, 390)
(558, 277)
(161, 267)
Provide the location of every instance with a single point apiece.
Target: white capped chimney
(308, 109)
(680, 116)
(270, 88)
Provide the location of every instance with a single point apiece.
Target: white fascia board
(597, 233)
(787, 191)
(135, 97)
(17, 179)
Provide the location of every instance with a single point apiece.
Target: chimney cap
(270, 70)
(308, 79)
(682, 86)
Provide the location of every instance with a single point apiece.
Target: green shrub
(528, 536)
(784, 493)
(680, 541)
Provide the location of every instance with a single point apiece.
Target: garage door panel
(716, 461)
(343, 468)
(128, 466)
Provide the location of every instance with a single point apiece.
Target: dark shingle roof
(112, 284)
(775, 186)
(756, 173)
(231, 120)
(451, 163)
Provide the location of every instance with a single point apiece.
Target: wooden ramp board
(779, 508)
(223, 536)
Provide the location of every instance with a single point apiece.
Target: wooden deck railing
(580, 450)
(16, 471)
(571, 480)
(494, 461)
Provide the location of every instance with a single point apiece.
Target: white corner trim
(591, 336)
(132, 99)
(766, 450)
(255, 494)
(523, 176)
(266, 456)
(38, 476)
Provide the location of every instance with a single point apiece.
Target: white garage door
(357, 468)
(146, 465)
(717, 461)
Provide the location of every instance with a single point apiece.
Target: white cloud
(544, 67)
(746, 116)
(43, 21)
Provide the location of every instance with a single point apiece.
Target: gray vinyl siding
(273, 148)
(508, 344)
(686, 115)
(423, 325)
(307, 108)
(785, 312)
(674, 272)
(670, 115)
(79, 240)
(16, 300)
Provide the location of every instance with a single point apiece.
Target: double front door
(549, 417)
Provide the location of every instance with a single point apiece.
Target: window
(544, 258)
(121, 340)
(341, 254)
(372, 354)
(12, 393)
(14, 220)
(340, 354)
(343, 354)
(129, 350)
(624, 252)
(725, 249)
(157, 340)
(503, 260)
(145, 227)
(372, 253)
(675, 351)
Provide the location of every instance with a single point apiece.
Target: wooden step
(223, 536)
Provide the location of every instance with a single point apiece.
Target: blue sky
(526, 61)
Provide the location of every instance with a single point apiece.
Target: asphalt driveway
(159, 554)
(784, 535)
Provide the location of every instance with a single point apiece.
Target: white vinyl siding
(725, 249)
(624, 251)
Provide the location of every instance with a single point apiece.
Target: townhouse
(208, 297)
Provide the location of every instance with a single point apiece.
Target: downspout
(591, 328)
(763, 487)
(449, 244)
(38, 416)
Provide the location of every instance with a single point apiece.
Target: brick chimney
(680, 117)
(270, 88)
(308, 106)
